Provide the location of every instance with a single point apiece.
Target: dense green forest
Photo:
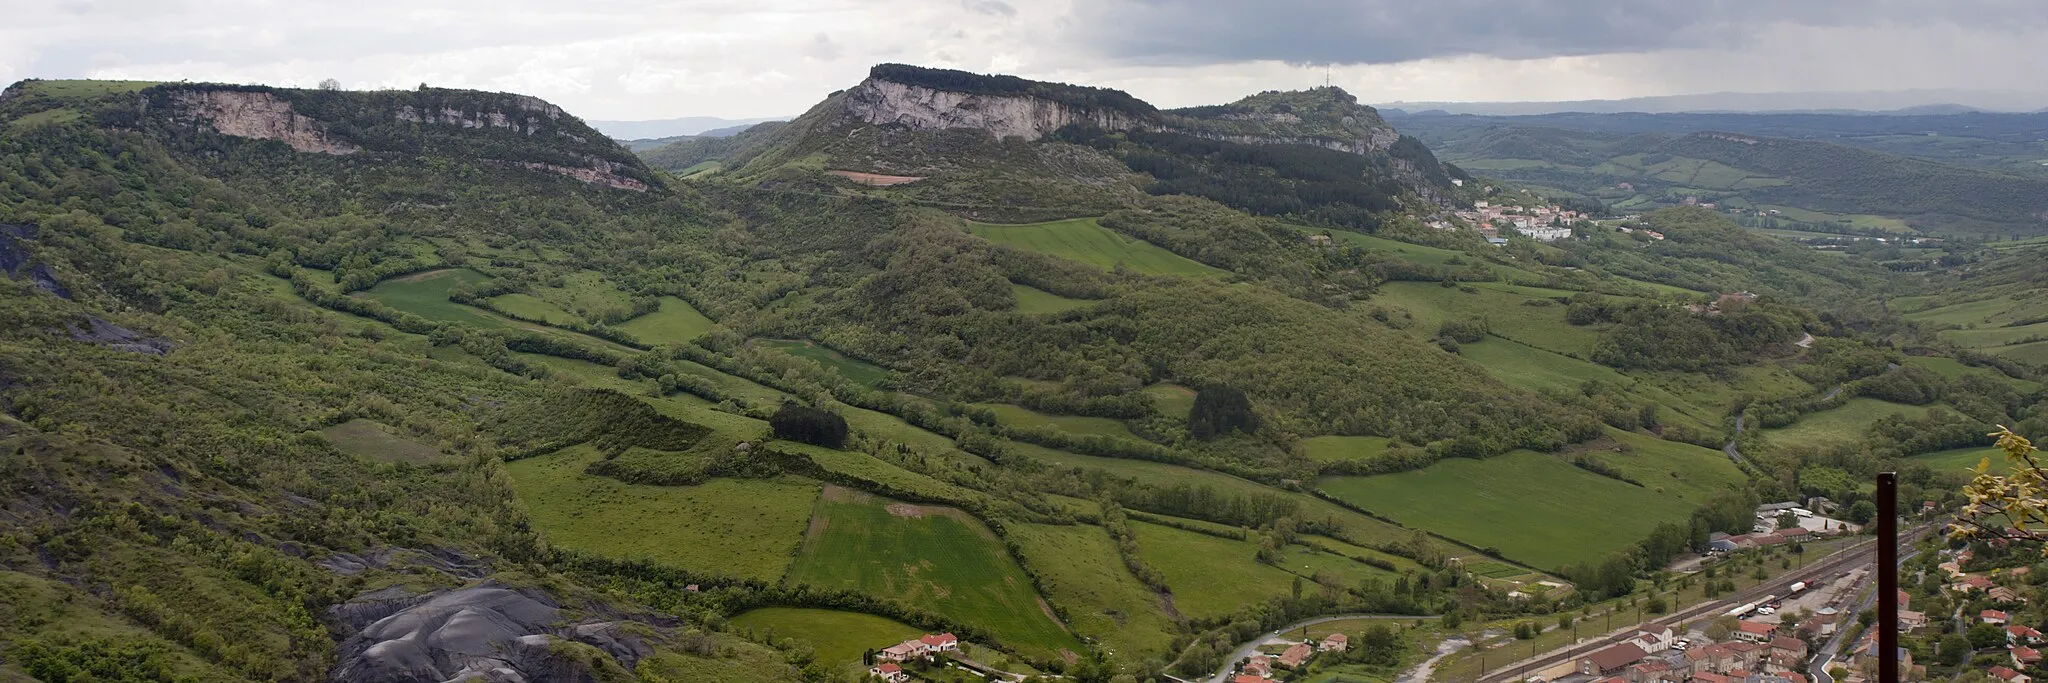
(249, 394)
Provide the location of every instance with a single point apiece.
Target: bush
(809, 425)
(1219, 410)
(1463, 331)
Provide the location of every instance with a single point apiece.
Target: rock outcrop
(16, 262)
(482, 633)
(524, 116)
(879, 101)
(259, 115)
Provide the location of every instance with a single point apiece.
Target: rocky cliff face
(259, 115)
(879, 101)
(524, 116)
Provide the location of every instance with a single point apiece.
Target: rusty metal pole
(1887, 577)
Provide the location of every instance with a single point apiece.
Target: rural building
(1709, 677)
(2022, 635)
(2009, 675)
(1248, 678)
(1608, 660)
(1992, 616)
(1789, 646)
(901, 652)
(944, 642)
(1259, 666)
(2025, 657)
(1910, 621)
(1337, 642)
(2003, 595)
(1653, 641)
(1295, 656)
(890, 672)
(1755, 632)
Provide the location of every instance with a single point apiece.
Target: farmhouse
(890, 672)
(1755, 632)
(2022, 635)
(1295, 656)
(944, 642)
(2009, 675)
(1611, 659)
(901, 652)
(1248, 678)
(2024, 657)
(1337, 642)
(1910, 621)
(1258, 666)
(1992, 616)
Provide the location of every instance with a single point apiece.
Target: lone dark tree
(1218, 410)
(809, 425)
(330, 84)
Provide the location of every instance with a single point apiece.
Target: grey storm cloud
(1389, 31)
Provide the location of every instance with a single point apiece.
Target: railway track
(1861, 554)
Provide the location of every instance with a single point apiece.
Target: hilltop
(1099, 389)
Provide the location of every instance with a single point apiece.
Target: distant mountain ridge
(1851, 102)
(677, 127)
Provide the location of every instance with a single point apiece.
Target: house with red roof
(2023, 635)
(1608, 660)
(1259, 666)
(1992, 616)
(890, 672)
(1295, 656)
(1755, 632)
(2009, 675)
(943, 642)
(1337, 642)
(1248, 678)
(2025, 657)
(901, 652)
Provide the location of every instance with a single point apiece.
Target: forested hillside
(292, 374)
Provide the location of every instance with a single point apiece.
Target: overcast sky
(647, 59)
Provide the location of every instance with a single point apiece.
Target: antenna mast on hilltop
(1326, 75)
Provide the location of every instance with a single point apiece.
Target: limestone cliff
(918, 107)
(259, 115)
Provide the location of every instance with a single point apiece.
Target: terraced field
(1019, 416)
(837, 638)
(1086, 241)
(860, 371)
(1508, 313)
(1846, 424)
(1336, 448)
(937, 558)
(372, 441)
(676, 322)
(1209, 576)
(426, 295)
(685, 526)
(1534, 508)
(1035, 300)
(1082, 574)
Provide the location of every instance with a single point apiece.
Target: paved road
(1861, 554)
(1733, 454)
(1827, 652)
(1252, 645)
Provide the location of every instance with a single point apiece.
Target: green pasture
(1210, 576)
(837, 638)
(1086, 241)
(1035, 300)
(1019, 416)
(1339, 448)
(1171, 400)
(1846, 424)
(1508, 314)
(1083, 574)
(862, 372)
(372, 441)
(675, 322)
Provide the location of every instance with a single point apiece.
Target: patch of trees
(1303, 182)
(1648, 335)
(809, 425)
(1220, 410)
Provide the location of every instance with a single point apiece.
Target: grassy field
(1534, 508)
(1987, 337)
(1953, 369)
(1963, 460)
(583, 372)
(1083, 574)
(675, 322)
(1082, 239)
(586, 294)
(371, 441)
(1359, 527)
(863, 372)
(1846, 424)
(686, 526)
(1019, 416)
(1680, 470)
(532, 308)
(1414, 253)
(937, 558)
(868, 468)
(1209, 576)
(426, 295)
(693, 409)
(1336, 448)
(1035, 300)
(1171, 399)
(838, 638)
(1528, 367)
(1506, 313)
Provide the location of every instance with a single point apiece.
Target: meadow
(1083, 240)
(1082, 573)
(426, 295)
(1019, 416)
(1034, 300)
(586, 294)
(372, 441)
(1339, 448)
(1172, 400)
(1950, 368)
(1963, 461)
(532, 307)
(1534, 508)
(1987, 337)
(1680, 470)
(865, 373)
(1507, 313)
(1528, 367)
(1843, 425)
(676, 322)
(1359, 527)
(1210, 576)
(937, 558)
(868, 468)
(837, 638)
(693, 527)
